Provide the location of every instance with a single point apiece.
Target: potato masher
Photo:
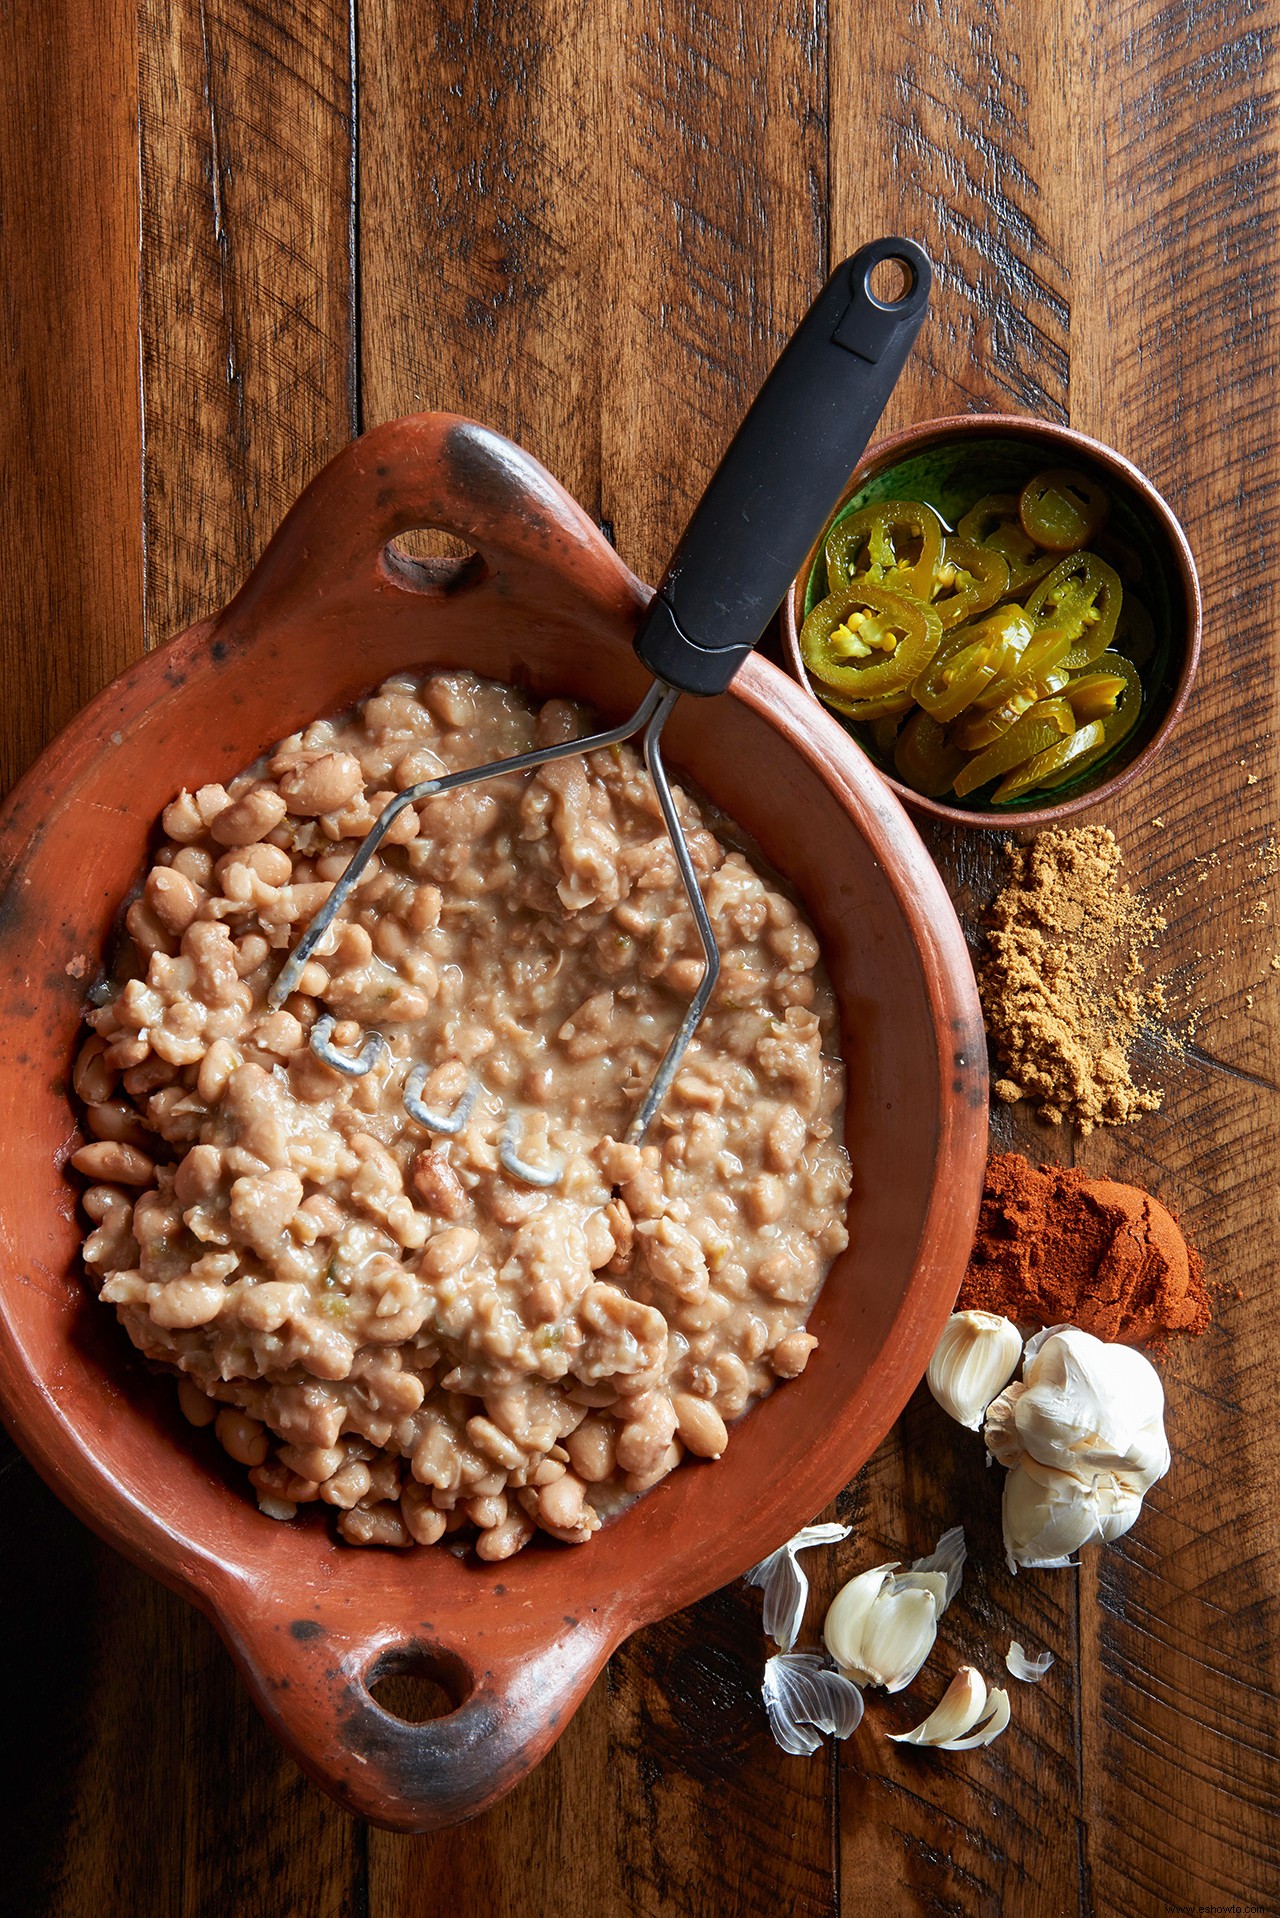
(744, 544)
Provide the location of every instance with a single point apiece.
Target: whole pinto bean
(111, 1159)
(93, 1079)
(560, 1509)
(505, 1540)
(648, 1429)
(173, 898)
(321, 785)
(249, 817)
(592, 1449)
(702, 1430)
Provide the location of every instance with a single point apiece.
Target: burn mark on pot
(483, 466)
(13, 912)
(305, 1628)
(219, 651)
(440, 1757)
(968, 1063)
(175, 677)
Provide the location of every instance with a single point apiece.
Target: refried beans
(380, 1317)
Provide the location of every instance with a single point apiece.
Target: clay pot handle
(439, 470)
(512, 1696)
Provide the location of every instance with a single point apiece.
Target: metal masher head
(745, 543)
(649, 718)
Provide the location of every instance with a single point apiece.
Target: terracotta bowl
(331, 609)
(1154, 559)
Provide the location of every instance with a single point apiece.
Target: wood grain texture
(248, 290)
(70, 532)
(592, 228)
(1181, 1665)
(157, 1789)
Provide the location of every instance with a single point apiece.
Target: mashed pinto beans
(386, 1320)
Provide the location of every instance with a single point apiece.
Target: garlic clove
(1090, 1407)
(935, 1583)
(957, 1711)
(964, 1705)
(881, 1626)
(976, 1355)
(1118, 1501)
(785, 1587)
(804, 1698)
(847, 1615)
(896, 1638)
(948, 1556)
(1045, 1516)
(998, 1715)
(1000, 1433)
(1030, 1670)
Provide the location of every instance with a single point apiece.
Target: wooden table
(593, 226)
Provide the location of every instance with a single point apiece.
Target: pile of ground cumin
(1061, 979)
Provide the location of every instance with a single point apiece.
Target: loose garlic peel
(950, 1726)
(804, 1698)
(976, 1355)
(785, 1587)
(1030, 1670)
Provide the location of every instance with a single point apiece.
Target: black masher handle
(783, 472)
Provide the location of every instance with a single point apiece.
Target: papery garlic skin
(977, 1353)
(784, 1585)
(1047, 1515)
(948, 1557)
(1021, 1665)
(1089, 1407)
(804, 1698)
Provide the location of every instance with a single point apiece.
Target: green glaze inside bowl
(950, 478)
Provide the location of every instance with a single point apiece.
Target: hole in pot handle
(500, 1701)
(443, 472)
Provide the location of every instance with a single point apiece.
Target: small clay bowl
(949, 462)
(332, 608)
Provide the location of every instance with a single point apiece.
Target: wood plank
(170, 1794)
(719, 170)
(951, 136)
(1181, 1658)
(481, 202)
(571, 228)
(248, 289)
(479, 246)
(70, 536)
(248, 368)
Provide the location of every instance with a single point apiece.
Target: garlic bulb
(1083, 1407)
(881, 1626)
(965, 1701)
(803, 1698)
(785, 1587)
(1047, 1514)
(977, 1353)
